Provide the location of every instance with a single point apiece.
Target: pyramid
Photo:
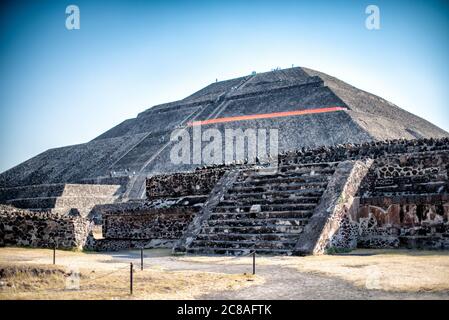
(309, 108)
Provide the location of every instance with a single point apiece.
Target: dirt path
(289, 284)
(283, 282)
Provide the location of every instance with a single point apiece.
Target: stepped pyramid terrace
(340, 168)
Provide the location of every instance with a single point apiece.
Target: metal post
(54, 254)
(141, 258)
(254, 262)
(131, 278)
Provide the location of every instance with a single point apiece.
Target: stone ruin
(353, 171)
(376, 195)
(20, 227)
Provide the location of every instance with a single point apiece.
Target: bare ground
(362, 274)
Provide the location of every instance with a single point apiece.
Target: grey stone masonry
(198, 182)
(19, 227)
(194, 228)
(261, 209)
(145, 223)
(403, 203)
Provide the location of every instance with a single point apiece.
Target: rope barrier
(84, 283)
(104, 275)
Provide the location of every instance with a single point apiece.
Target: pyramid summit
(309, 108)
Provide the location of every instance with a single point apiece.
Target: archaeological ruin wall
(20, 227)
(144, 224)
(371, 150)
(403, 203)
(172, 203)
(199, 182)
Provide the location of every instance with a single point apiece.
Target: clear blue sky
(61, 87)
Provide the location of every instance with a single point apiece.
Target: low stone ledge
(404, 199)
(126, 244)
(142, 206)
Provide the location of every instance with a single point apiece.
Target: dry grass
(74, 259)
(49, 282)
(386, 270)
(389, 270)
(34, 278)
(104, 276)
(30, 275)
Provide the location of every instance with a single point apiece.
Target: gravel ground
(289, 284)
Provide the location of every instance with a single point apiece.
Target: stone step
(276, 194)
(245, 244)
(410, 179)
(290, 168)
(253, 229)
(287, 174)
(287, 198)
(305, 166)
(257, 222)
(33, 191)
(252, 201)
(263, 215)
(59, 202)
(33, 203)
(279, 181)
(58, 190)
(248, 236)
(82, 202)
(237, 252)
(284, 187)
(90, 190)
(424, 187)
(404, 199)
(396, 182)
(267, 207)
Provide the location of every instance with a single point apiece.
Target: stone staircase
(135, 187)
(263, 211)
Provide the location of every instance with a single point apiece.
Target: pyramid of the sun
(139, 147)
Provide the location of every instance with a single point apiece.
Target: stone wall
(19, 227)
(148, 224)
(403, 174)
(403, 202)
(392, 222)
(168, 223)
(371, 150)
(407, 180)
(199, 182)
